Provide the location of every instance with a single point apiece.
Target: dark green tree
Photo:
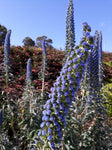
(3, 31)
(28, 42)
(48, 42)
(70, 30)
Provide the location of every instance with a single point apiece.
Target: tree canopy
(3, 31)
(47, 41)
(28, 42)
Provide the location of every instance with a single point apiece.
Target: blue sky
(36, 18)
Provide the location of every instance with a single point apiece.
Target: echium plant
(29, 72)
(70, 29)
(1, 118)
(87, 126)
(44, 66)
(63, 92)
(100, 60)
(92, 69)
(8, 133)
(42, 75)
(7, 55)
(29, 114)
(97, 121)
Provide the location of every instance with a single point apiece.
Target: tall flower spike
(63, 92)
(44, 65)
(100, 60)
(70, 33)
(7, 52)
(1, 118)
(93, 69)
(29, 71)
(44, 53)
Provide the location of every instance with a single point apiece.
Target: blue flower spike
(63, 92)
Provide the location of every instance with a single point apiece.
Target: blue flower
(75, 60)
(48, 107)
(58, 79)
(89, 37)
(64, 81)
(57, 83)
(58, 127)
(64, 70)
(52, 118)
(50, 95)
(85, 49)
(44, 112)
(69, 62)
(43, 118)
(68, 99)
(36, 142)
(58, 88)
(88, 28)
(72, 53)
(55, 122)
(66, 93)
(42, 124)
(53, 99)
(82, 63)
(54, 105)
(48, 112)
(43, 132)
(78, 51)
(81, 55)
(63, 87)
(76, 66)
(57, 111)
(84, 43)
(62, 106)
(73, 93)
(60, 93)
(71, 87)
(60, 116)
(77, 74)
(66, 111)
(66, 64)
(53, 93)
(49, 130)
(53, 145)
(63, 77)
(64, 122)
(85, 24)
(69, 75)
(58, 101)
(49, 137)
(47, 124)
(86, 33)
(69, 69)
(39, 133)
(59, 134)
(48, 101)
(71, 81)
